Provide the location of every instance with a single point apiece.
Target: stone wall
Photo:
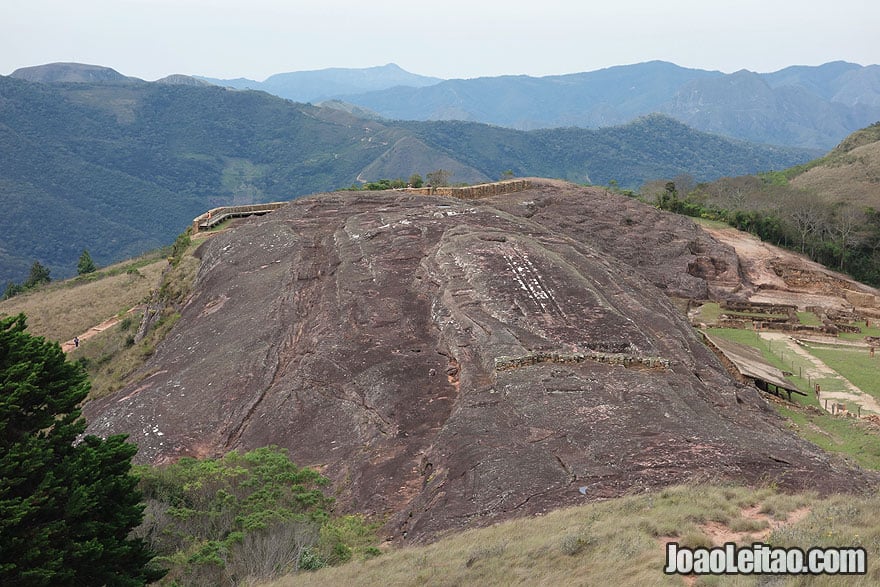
(758, 308)
(861, 300)
(475, 192)
(505, 363)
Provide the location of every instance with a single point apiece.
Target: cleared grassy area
(856, 364)
(68, 308)
(873, 330)
(778, 355)
(773, 354)
(839, 435)
(844, 436)
(617, 542)
(808, 319)
(709, 313)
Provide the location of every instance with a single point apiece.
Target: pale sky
(449, 39)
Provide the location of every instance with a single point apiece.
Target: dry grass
(618, 542)
(112, 358)
(846, 177)
(68, 308)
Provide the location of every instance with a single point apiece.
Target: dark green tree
(85, 264)
(416, 181)
(66, 507)
(39, 275)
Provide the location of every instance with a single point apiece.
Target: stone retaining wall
(475, 192)
(861, 300)
(506, 363)
(758, 308)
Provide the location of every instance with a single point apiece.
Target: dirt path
(94, 330)
(817, 369)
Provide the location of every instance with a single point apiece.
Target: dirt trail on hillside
(69, 345)
(819, 370)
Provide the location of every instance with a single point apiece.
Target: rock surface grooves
(361, 330)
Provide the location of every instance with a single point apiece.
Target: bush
(245, 517)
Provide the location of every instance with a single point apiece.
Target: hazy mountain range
(117, 165)
(813, 107)
(326, 84)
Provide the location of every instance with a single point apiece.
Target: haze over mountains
(813, 107)
(326, 84)
(93, 159)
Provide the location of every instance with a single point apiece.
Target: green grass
(771, 353)
(844, 436)
(617, 542)
(872, 331)
(809, 319)
(838, 435)
(856, 364)
(709, 313)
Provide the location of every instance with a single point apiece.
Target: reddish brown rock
(451, 363)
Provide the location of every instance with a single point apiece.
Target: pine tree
(66, 508)
(85, 264)
(39, 275)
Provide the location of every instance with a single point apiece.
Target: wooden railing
(215, 216)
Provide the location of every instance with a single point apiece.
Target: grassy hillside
(105, 309)
(64, 309)
(828, 208)
(119, 168)
(622, 542)
(849, 174)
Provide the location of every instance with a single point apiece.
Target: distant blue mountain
(326, 84)
(809, 107)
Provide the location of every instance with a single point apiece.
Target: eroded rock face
(451, 363)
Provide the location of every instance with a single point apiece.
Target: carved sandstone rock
(363, 331)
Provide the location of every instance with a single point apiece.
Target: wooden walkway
(215, 216)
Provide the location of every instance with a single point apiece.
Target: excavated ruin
(449, 363)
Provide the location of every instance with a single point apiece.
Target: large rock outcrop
(449, 363)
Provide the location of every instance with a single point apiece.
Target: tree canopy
(67, 507)
(85, 263)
